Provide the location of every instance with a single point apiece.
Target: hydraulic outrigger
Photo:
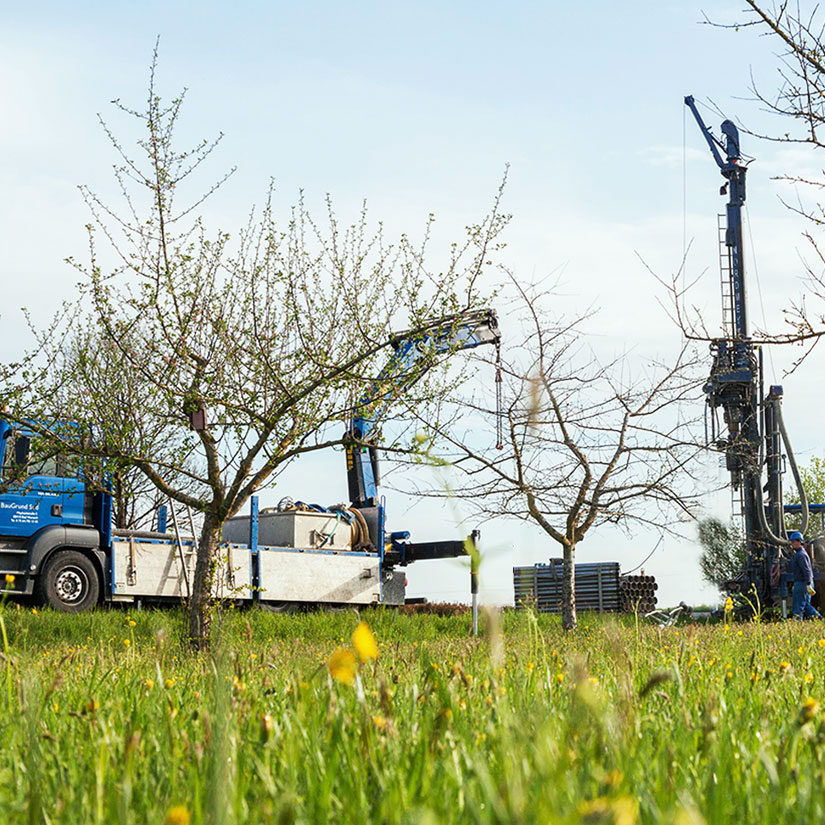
(754, 430)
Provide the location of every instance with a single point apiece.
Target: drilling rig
(752, 432)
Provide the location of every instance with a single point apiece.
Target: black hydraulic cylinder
(424, 550)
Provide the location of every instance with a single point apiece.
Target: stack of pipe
(597, 586)
(638, 593)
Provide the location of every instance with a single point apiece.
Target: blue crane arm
(415, 351)
(731, 147)
(734, 171)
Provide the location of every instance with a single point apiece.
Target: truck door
(39, 488)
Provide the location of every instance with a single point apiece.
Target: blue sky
(417, 107)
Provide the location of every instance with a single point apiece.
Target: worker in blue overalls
(803, 580)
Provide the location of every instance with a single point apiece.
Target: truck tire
(68, 582)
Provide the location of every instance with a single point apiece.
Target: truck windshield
(27, 455)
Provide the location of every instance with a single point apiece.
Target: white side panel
(318, 577)
(149, 569)
(234, 578)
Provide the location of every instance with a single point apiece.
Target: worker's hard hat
(796, 536)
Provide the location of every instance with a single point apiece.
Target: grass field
(108, 718)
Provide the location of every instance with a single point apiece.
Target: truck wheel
(68, 582)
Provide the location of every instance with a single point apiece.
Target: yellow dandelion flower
(34, 611)
(364, 642)
(92, 705)
(784, 667)
(127, 642)
(728, 604)
(614, 779)
(170, 683)
(10, 579)
(267, 727)
(132, 623)
(178, 815)
(380, 722)
(148, 684)
(343, 665)
(530, 666)
(621, 810)
(809, 677)
(821, 642)
(688, 816)
(807, 710)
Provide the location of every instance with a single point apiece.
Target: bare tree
(98, 385)
(209, 364)
(585, 443)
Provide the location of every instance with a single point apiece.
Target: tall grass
(112, 719)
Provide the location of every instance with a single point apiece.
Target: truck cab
(47, 518)
(38, 488)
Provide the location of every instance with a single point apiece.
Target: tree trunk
(568, 588)
(200, 598)
(120, 502)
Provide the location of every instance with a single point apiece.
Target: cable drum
(358, 524)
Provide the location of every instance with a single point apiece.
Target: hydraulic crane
(414, 353)
(754, 429)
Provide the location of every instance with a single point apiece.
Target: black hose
(803, 498)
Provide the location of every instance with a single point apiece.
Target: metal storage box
(298, 529)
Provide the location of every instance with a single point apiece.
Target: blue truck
(58, 544)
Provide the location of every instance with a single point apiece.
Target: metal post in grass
(255, 559)
(475, 558)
